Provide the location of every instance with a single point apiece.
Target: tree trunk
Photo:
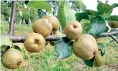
(11, 24)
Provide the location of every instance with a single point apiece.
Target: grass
(46, 60)
(19, 29)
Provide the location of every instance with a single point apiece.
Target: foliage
(78, 4)
(85, 22)
(30, 13)
(80, 16)
(64, 15)
(104, 9)
(94, 21)
(113, 17)
(63, 48)
(5, 10)
(97, 23)
(21, 12)
(39, 5)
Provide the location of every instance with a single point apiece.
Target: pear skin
(99, 60)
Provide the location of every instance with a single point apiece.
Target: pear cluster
(43, 27)
(84, 45)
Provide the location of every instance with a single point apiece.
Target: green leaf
(102, 53)
(6, 44)
(4, 48)
(102, 48)
(106, 30)
(98, 25)
(17, 47)
(63, 48)
(91, 12)
(86, 25)
(113, 18)
(40, 5)
(65, 14)
(80, 16)
(104, 9)
(89, 62)
(115, 5)
(107, 15)
(78, 4)
(6, 41)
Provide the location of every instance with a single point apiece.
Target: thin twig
(108, 33)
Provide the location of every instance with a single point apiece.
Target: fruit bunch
(13, 58)
(84, 45)
(47, 25)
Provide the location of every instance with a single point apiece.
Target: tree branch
(108, 33)
(113, 37)
(15, 38)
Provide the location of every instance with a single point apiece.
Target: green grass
(19, 29)
(46, 60)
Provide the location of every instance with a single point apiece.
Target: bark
(15, 38)
(11, 25)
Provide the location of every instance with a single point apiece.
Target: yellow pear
(73, 30)
(99, 60)
(113, 24)
(55, 22)
(12, 58)
(34, 42)
(43, 27)
(85, 47)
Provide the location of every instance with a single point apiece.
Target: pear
(85, 47)
(12, 58)
(99, 60)
(34, 42)
(55, 22)
(73, 30)
(43, 27)
(113, 24)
